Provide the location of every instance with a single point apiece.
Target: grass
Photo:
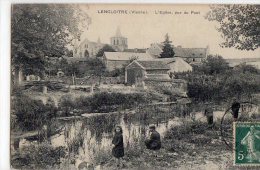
(38, 156)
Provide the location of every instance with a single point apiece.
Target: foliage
(32, 114)
(66, 104)
(90, 67)
(54, 64)
(215, 81)
(245, 68)
(213, 65)
(105, 102)
(106, 48)
(167, 51)
(238, 24)
(116, 72)
(40, 30)
(43, 156)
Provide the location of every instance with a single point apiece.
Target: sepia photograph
(134, 86)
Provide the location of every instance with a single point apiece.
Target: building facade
(141, 72)
(89, 49)
(190, 55)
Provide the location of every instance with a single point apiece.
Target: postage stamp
(247, 144)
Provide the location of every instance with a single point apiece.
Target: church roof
(118, 32)
(90, 42)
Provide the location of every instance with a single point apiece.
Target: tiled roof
(89, 42)
(190, 52)
(135, 50)
(124, 56)
(154, 64)
(184, 52)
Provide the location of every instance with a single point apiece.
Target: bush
(215, 81)
(66, 104)
(221, 87)
(43, 156)
(31, 114)
(107, 102)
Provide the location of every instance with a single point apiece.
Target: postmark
(246, 144)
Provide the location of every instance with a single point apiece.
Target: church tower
(118, 42)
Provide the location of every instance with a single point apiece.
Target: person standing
(235, 109)
(154, 141)
(118, 149)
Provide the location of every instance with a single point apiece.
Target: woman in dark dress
(118, 149)
(235, 109)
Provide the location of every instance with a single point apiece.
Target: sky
(189, 30)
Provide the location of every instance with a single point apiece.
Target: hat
(152, 127)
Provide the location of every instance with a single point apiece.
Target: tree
(106, 48)
(31, 114)
(167, 48)
(238, 24)
(213, 65)
(39, 30)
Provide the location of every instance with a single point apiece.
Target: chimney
(179, 46)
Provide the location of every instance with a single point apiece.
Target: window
(117, 42)
(114, 42)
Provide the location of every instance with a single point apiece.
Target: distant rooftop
(154, 64)
(185, 52)
(124, 56)
(135, 50)
(251, 61)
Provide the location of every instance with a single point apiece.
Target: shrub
(66, 104)
(30, 114)
(43, 156)
(107, 102)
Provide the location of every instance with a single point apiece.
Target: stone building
(115, 60)
(190, 55)
(88, 48)
(176, 64)
(142, 73)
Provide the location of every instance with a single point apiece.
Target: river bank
(182, 148)
(187, 141)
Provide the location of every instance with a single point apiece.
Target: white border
(139, 1)
(5, 8)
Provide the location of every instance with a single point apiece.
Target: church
(89, 49)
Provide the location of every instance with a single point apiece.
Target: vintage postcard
(134, 86)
